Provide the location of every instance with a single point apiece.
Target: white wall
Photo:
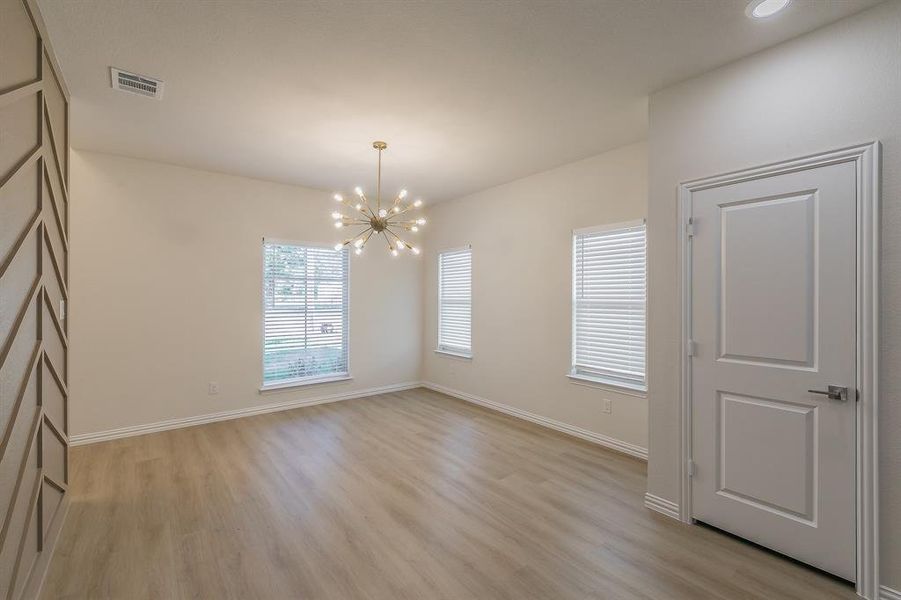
(166, 280)
(835, 87)
(521, 238)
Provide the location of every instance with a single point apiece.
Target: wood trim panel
(32, 509)
(32, 364)
(57, 271)
(37, 22)
(56, 213)
(59, 381)
(59, 327)
(23, 91)
(14, 330)
(59, 168)
(34, 154)
(29, 229)
(24, 560)
(35, 431)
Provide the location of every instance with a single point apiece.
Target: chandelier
(378, 221)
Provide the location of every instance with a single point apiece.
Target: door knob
(833, 392)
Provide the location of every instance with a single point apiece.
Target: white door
(773, 316)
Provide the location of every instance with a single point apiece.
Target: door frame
(866, 158)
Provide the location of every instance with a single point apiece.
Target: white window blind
(455, 302)
(305, 312)
(609, 288)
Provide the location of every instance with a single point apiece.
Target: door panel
(769, 274)
(767, 454)
(773, 316)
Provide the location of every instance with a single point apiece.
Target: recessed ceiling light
(761, 9)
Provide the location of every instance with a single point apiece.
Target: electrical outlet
(214, 388)
(608, 406)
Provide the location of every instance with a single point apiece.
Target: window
(609, 266)
(455, 302)
(305, 313)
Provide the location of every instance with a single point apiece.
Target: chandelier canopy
(379, 221)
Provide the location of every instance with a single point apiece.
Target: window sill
(296, 383)
(603, 384)
(459, 355)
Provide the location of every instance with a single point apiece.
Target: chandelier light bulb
(402, 194)
(358, 251)
(394, 253)
(420, 221)
(397, 209)
(414, 229)
(415, 250)
(417, 203)
(358, 191)
(383, 213)
(336, 215)
(338, 198)
(358, 206)
(338, 224)
(400, 245)
(339, 246)
(359, 242)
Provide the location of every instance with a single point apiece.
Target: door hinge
(691, 468)
(691, 348)
(690, 228)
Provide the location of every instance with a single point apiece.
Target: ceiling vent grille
(136, 84)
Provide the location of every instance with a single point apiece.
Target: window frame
(300, 381)
(600, 381)
(450, 351)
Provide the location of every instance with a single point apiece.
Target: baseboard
(122, 432)
(887, 593)
(662, 505)
(591, 436)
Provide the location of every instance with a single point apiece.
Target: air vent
(136, 84)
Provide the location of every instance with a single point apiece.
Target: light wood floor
(407, 495)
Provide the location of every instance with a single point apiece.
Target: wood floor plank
(405, 495)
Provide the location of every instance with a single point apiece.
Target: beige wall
(521, 238)
(166, 293)
(835, 87)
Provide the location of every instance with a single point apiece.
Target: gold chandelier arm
(363, 208)
(397, 237)
(365, 203)
(387, 241)
(403, 209)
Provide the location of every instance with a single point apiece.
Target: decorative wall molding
(662, 505)
(82, 439)
(33, 273)
(887, 593)
(596, 438)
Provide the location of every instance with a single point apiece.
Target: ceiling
(468, 94)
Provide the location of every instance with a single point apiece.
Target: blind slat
(609, 294)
